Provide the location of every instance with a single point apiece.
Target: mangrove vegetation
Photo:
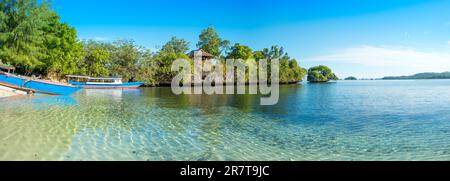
(320, 74)
(33, 39)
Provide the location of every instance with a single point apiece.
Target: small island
(430, 75)
(321, 74)
(351, 78)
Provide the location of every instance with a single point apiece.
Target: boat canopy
(93, 78)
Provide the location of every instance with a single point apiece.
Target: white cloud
(392, 57)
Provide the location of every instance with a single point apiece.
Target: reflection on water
(348, 120)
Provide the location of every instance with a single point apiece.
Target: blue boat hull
(129, 85)
(39, 85)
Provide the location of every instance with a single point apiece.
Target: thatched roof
(200, 52)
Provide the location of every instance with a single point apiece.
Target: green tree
(125, 56)
(22, 35)
(290, 71)
(224, 48)
(176, 45)
(296, 72)
(285, 72)
(63, 52)
(277, 52)
(210, 41)
(33, 39)
(321, 73)
(147, 69)
(258, 55)
(240, 52)
(97, 59)
(163, 62)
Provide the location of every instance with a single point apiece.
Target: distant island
(443, 75)
(351, 78)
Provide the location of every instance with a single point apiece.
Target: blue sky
(363, 38)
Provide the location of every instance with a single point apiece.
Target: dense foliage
(321, 73)
(33, 39)
(351, 78)
(210, 41)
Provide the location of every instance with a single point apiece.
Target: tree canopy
(239, 51)
(22, 32)
(33, 39)
(290, 71)
(96, 59)
(176, 45)
(210, 41)
(321, 73)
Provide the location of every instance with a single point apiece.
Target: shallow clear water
(347, 120)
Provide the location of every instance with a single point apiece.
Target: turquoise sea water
(347, 120)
